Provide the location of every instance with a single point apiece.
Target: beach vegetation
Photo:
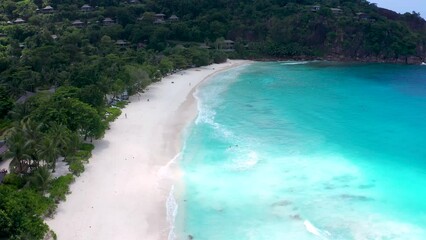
(59, 187)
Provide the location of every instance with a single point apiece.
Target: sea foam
(172, 210)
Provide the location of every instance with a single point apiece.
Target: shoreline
(413, 60)
(123, 192)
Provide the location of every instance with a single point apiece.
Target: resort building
(54, 37)
(121, 43)
(336, 11)
(159, 16)
(362, 16)
(47, 10)
(315, 8)
(133, 2)
(78, 24)
(173, 18)
(19, 21)
(228, 45)
(108, 21)
(86, 8)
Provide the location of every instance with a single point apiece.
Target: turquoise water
(308, 151)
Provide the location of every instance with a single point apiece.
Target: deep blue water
(307, 151)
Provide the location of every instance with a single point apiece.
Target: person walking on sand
(125, 115)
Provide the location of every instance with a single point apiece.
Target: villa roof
(228, 41)
(86, 7)
(173, 17)
(48, 8)
(108, 20)
(159, 15)
(77, 22)
(19, 20)
(54, 36)
(121, 42)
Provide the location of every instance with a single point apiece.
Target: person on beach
(125, 115)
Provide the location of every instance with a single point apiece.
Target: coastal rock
(355, 197)
(281, 203)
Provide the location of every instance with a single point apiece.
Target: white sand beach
(122, 194)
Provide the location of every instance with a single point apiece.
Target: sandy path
(122, 194)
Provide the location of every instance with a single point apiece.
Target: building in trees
(108, 21)
(78, 24)
(315, 8)
(228, 45)
(47, 10)
(86, 8)
(173, 18)
(19, 21)
(362, 16)
(336, 11)
(121, 43)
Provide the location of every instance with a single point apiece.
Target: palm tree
(40, 179)
(18, 151)
(33, 134)
(48, 150)
(72, 146)
(60, 135)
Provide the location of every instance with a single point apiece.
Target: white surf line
(314, 230)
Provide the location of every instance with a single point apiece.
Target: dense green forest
(68, 66)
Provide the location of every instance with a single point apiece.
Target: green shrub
(60, 187)
(121, 104)
(83, 155)
(87, 147)
(14, 180)
(76, 167)
(112, 113)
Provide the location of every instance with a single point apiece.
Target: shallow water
(308, 151)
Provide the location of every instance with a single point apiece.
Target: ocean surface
(307, 150)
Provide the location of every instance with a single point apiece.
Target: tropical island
(69, 67)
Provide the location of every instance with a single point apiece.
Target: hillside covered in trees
(67, 66)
